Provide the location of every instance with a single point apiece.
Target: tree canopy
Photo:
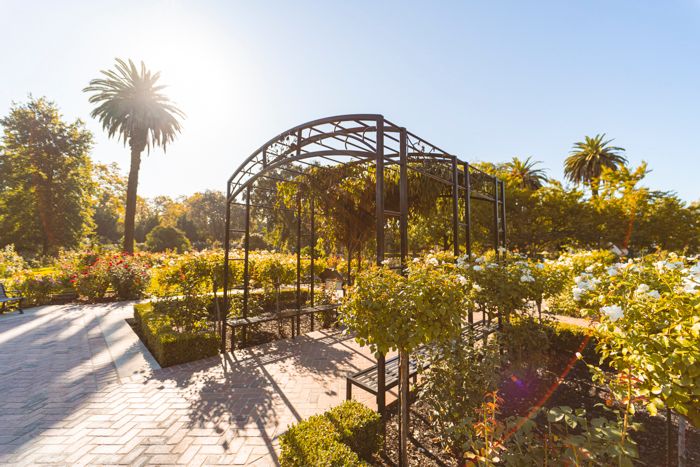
(46, 186)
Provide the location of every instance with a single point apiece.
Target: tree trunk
(595, 184)
(403, 414)
(349, 281)
(130, 215)
(681, 441)
(669, 428)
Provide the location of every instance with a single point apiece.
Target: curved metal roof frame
(354, 137)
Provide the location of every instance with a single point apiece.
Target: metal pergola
(348, 139)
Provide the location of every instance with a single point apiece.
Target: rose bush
(649, 330)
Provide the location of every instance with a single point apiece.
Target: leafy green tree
(147, 219)
(164, 238)
(388, 311)
(45, 179)
(109, 202)
(206, 213)
(525, 173)
(588, 158)
(131, 105)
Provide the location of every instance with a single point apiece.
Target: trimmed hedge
(567, 337)
(168, 346)
(359, 427)
(339, 437)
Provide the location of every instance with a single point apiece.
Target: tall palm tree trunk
(132, 186)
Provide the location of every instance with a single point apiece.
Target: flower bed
(516, 395)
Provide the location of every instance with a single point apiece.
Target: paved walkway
(77, 387)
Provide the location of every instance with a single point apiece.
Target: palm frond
(131, 106)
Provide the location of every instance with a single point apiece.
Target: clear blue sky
(485, 80)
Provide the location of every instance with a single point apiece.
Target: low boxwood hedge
(346, 435)
(168, 346)
(359, 427)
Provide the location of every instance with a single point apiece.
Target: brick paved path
(66, 397)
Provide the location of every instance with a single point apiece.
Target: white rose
(477, 287)
(613, 312)
(477, 267)
(462, 280)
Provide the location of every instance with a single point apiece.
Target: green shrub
(92, 282)
(128, 275)
(315, 442)
(37, 286)
(262, 302)
(168, 345)
(526, 342)
(567, 338)
(359, 427)
(164, 238)
(10, 262)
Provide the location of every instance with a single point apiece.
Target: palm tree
(587, 159)
(525, 172)
(131, 106)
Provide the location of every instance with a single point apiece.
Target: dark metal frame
(365, 138)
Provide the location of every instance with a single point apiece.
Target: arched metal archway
(369, 138)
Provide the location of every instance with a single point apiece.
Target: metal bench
(367, 379)
(4, 299)
(292, 313)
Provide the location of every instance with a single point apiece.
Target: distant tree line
(53, 196)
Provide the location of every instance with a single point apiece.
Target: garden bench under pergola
(368, 379)
(344, 140)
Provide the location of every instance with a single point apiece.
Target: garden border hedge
(168, 346)
(348, 435)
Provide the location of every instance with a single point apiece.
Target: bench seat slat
(9, 299)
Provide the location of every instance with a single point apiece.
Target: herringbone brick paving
(63, 403)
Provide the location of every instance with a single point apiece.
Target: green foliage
(359, 427)
(10, 262)
(92, 282)
(649, 333)
(589, 158)
(164, 238)
(499, 286)
(130, 105)
(526, 343)
(108, 202)
(336, 438)
(37, 286)
(274, 270)
(128, 276)
(315, 442)
(92, 274)
(45, 179)
(454, 388)
(169, 344)
(388, 311)
(524, 173)
(570, 438)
